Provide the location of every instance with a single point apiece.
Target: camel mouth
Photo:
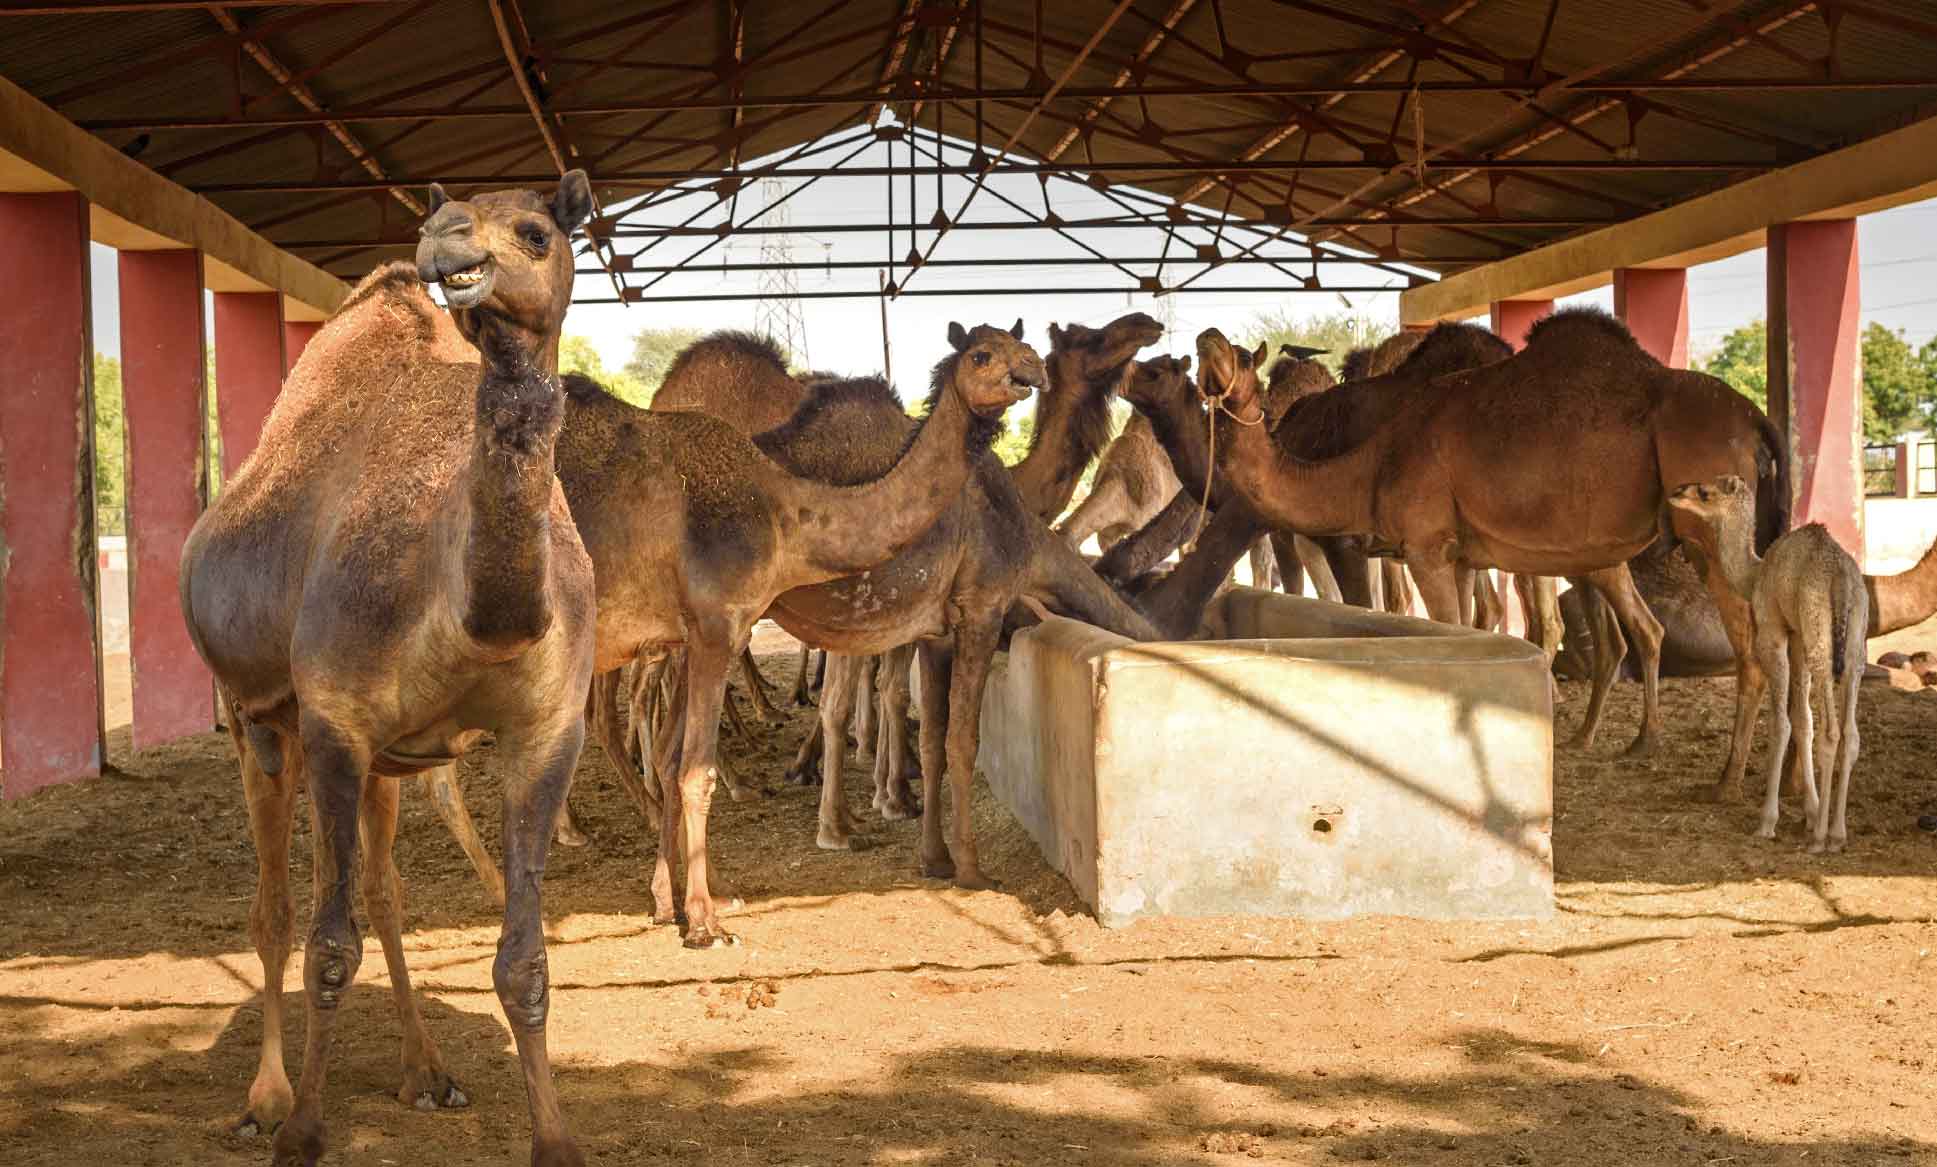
(467, 288)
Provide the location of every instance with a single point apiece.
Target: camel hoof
(748, 793)
(298, 1144)
(1577, 744)
(1836, 846)
(252, 1127)
(828, 840)
(711, 938)
(1768, 832)
(568, 835)
(938, 868)
(976, 881)
(803, 775)
(1643, 747)
(564, 1153)
(897, 812)
(443, 1095)
(1723, 793)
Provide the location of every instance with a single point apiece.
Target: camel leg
(1775, 663)
(1610, 649)
(891, 794)
(757, 690)
(1398, 587)
(447, 796)
(1441, 590)
(937, 667)
(708, 655)
(1263, 564)
(668, 734)
(1616, 585)
(1847, 749)
(1352, 569)
(644, 712)
(1803, 732)
(1306, 554)
(738, 789)
(1828, 734)
(975, 644)
(1102, 507)
(805, 768)
(820, 670)
(801, 676)
(426, 1083)
(1465, 579)
(272, 807)
(863, 706)
(1489, 613)
(836, 829)
(536, 774)
(336, 763)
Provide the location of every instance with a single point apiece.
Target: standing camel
(1554, 461)
(392, 574)
(1809, 602)
(1133, 482)
(1072, 419)
(693, 532)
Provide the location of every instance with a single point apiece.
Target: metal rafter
(1165, 26)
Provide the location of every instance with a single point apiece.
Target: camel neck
(1184, 433)
(1735, 554)
(1328, 496)
(1069, 428)
(846, 529)
(1905, 599)
(507, 547)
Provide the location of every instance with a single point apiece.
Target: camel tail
(1059, 577)
(1772, 498)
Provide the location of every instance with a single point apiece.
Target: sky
(1898, 253)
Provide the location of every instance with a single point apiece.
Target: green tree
(1338, 333)
(1897, 387)
(576, 355)
(1743, 362)
(653, 350)
(110, 449)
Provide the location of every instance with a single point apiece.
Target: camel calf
(1810, 610)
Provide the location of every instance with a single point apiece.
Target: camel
(1072, 420)
(693, 533)
(1133, 482)
(391, 575)
(1554, 461)
(948, 593)
(1809, 600)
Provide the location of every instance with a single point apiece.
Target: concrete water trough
(1309, 759)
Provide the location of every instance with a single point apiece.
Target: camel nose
(447, 243)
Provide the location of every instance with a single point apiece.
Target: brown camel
(693, 532)
(1133, 482)
(1072, 420)
(949, 593)
(392, 574)
(1555, 461)
(1809, 600)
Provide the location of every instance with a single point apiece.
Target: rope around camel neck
(1210, 466)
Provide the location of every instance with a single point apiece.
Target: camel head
(992, 368)
(1098, 357)
(1159, 382)
(1717, 505)
(1297, 375)
(1230, 373)
(507, 254)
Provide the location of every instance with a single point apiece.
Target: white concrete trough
(1313, 760)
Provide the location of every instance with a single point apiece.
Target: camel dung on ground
(392, 574)
(1554, 461)
(1810, 605)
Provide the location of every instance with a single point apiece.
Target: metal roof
(1438, 132)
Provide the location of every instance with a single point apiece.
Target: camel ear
(1017, 330)
(1257, 358)
(1732, 484)
(1183, 363)
(437, 198)
(572, 204)
(1055, 335)
(957, 337)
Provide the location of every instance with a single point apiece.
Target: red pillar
(1512, 319)
(296, 335)
(50, 662)
(248, 369)
(1653, 303)
(161, 380)
(1815, 391)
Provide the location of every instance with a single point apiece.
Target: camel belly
(1590, 553)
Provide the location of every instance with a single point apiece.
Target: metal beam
(1888, 170)
(1032, 290)
(1042, 261)
(1178, 10)
(87, 8)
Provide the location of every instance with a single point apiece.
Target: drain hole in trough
(1322, 826)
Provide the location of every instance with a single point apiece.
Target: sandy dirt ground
(1700, 997)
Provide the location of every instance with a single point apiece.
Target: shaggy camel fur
(391, 575)
(1809, 601)
(949, 593)
(1555, 461)
(712, 531)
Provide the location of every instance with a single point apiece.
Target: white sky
(1898, 251)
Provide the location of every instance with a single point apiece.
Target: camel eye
(980, 357)
(537, 237)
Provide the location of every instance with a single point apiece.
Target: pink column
(296, 335)
(1512, 319)
(162, 383)
(248, 369)
(50, 662)
(1653, 303)
(1815, 392)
